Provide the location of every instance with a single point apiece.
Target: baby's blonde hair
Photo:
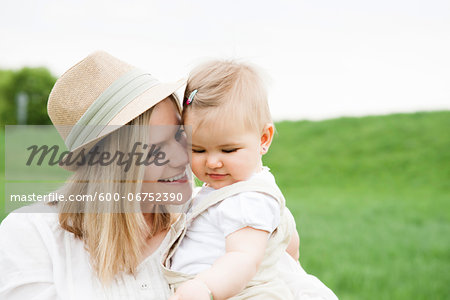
(228, 91)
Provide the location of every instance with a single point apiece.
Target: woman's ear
(266, 137)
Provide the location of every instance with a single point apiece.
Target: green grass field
(2, 174)
(371, 197)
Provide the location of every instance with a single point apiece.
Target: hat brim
(138, 106)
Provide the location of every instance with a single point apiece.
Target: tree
(6, 82)
(36, 83)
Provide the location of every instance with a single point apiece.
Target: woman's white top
(204, 241)
(40, 260)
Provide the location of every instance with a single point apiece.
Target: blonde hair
(116, 233)
(227, 90)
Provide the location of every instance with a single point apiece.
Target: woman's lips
(183, 179)
(217, 176)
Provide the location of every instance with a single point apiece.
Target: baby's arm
(230, 273)
(246, 221)
(293, 249)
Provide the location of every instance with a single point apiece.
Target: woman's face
(169, 173)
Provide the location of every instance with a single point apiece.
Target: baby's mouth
(216, 176)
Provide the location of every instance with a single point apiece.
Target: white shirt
(204, 241)
(40, 260)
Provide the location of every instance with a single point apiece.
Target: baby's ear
(266, 137)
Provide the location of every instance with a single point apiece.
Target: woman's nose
(177, 154)
(213, 161)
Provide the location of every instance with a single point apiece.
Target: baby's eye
(197, 151)
(229, 150)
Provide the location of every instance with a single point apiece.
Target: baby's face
(223, 155)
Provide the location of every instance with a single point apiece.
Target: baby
(238, 228)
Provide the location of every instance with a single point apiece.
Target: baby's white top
(204, 241)
(40, 260)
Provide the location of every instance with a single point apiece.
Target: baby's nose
(213, 162)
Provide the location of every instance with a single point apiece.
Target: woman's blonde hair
(228, 91)
(114, 232)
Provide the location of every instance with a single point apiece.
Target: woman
(108, 249)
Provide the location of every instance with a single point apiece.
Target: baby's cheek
(196, 163)
(245, 169)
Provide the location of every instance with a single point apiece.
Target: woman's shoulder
(32, 224)
(31, 214)
(28, 239)
(33, 253)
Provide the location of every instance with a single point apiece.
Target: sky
(321, 58)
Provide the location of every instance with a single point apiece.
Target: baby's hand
(193, 289)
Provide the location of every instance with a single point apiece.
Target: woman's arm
(244, 252)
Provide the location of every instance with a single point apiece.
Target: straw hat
(101, 90)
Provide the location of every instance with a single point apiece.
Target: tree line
(35, 85)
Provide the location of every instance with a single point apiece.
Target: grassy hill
(371, 197)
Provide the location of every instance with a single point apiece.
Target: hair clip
(191, 97)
